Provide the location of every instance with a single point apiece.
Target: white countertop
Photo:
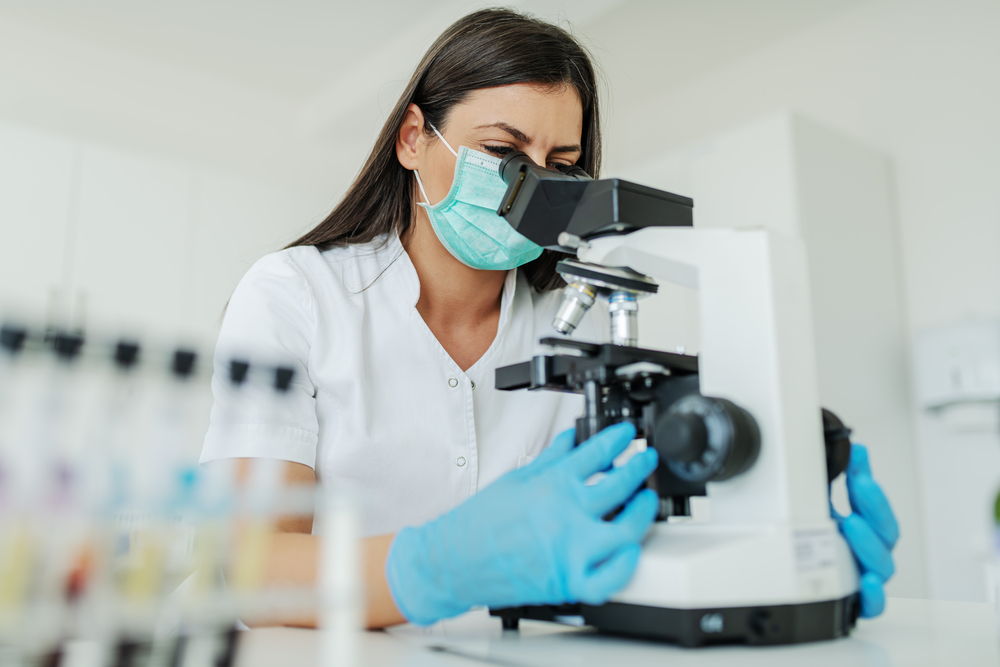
(911, 633)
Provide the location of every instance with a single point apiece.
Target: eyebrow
(521, 136)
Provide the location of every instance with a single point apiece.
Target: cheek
(440, 180)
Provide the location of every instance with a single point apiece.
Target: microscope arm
(756, 350)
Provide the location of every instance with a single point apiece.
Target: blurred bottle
(46, 535)
(15, 539)
(103, 466)
(154, 539)
(208, 612)
(260, 500)
(341, 593)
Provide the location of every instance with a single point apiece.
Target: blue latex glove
(535, 536)
(871, 531)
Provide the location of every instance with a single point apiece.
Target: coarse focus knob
(703, 439)
(681, 437)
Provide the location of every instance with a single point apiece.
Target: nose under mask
(466, 220)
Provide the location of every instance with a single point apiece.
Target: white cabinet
(236, 222)
(37, 174)
(132, 244)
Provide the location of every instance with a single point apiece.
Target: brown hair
(486, 49)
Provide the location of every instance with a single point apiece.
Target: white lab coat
(376, 399)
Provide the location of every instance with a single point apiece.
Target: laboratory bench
(910, 633)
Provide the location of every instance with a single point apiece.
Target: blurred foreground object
(113, 540)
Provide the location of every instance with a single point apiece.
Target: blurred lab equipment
(740, 423)
(993, 561)
(958, 363)
(116, 547)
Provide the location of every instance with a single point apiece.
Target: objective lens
(577, 299)
(624, 313)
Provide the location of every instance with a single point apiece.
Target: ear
(408, 149)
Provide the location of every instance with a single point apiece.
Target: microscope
(740, 423)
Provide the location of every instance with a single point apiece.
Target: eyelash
(501, 151)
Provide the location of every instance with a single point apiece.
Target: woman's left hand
(871, 530)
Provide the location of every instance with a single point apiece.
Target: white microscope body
(770, 553)
(741, 423)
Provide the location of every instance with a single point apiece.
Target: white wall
(917, 80)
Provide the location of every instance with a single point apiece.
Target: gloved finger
(868, 499)
(558, 448)
(867, 546)
(609, 577)
(628, 527)
(872, 595)
(637, 515)
(834, 514)
(598, 452)
(619, 484)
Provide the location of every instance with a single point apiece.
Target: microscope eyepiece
(518, 161)
(523, 177)
(544, 201)
(510, 165)
(574, 170)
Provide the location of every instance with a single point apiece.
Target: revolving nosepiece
(578, 297)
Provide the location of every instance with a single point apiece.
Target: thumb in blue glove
(871, 531)
(535, 536)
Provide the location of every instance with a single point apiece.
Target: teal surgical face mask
(466, 220)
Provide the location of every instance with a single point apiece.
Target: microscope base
(767, 624)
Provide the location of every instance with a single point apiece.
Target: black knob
(12, 338)
(67, 346)
(837, 439)
(681, 436)
(703, 439)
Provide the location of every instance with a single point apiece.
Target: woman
(396, 309)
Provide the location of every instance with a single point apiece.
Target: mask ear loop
(422, 191)
(417, 174)
(442, 139)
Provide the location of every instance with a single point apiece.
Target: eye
(501, 151)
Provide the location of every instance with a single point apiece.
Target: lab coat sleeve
(269, 322)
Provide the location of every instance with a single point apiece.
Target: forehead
(543, 113)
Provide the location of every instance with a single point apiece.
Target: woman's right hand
(535, 536)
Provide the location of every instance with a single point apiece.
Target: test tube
(341, 593)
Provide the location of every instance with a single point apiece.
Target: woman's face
(545, 123)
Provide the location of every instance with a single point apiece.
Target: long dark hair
(486, 49)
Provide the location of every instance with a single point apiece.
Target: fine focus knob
(703, 439)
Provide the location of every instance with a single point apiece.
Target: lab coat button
(473, 384)
(460, 461)
(452, 382)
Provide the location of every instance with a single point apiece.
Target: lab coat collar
(410, 281)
